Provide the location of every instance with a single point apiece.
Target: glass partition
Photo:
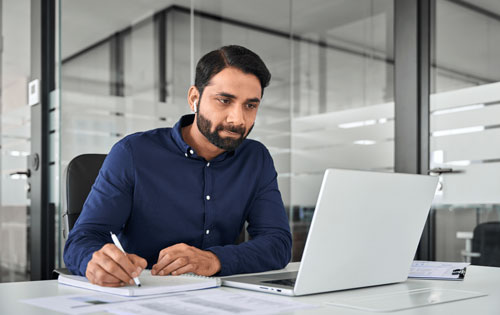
(342, 111)
(465, 121)
(15, 144)
(330, 102)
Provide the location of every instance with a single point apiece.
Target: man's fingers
(99, 276)
(138, 261)
(168, 255)
(121, 259)
(110, 266)
(185, 269)
(174, 265)
(165, 261)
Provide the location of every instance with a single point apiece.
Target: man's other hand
(110, 267)
(181, 258)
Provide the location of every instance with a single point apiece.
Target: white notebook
(150, 284)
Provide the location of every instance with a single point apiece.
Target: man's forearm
(262, 253)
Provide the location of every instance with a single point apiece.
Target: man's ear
(193, 96)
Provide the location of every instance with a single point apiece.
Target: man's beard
(228, 143)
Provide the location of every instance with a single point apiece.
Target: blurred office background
(125, 66)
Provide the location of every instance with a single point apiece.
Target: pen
(117, 244)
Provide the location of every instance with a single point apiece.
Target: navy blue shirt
(154, 191)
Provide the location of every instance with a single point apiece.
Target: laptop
(364, 232)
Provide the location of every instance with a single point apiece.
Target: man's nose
(236, 116)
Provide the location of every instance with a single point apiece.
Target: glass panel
(330, 102)
(15, 138)
(112, 71)
(242, 23)
(342, 87)
(465, 121)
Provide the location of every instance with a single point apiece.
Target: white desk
(482, 279)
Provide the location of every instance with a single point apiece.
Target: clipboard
(438, 270)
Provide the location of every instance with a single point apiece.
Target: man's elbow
(286, 251)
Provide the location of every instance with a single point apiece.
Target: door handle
(27, 173)
(441, 170)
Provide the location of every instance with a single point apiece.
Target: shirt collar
(187, 120)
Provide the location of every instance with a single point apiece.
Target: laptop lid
(364, 232)
(365, 229)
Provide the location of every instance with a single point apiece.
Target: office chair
(81, 174)
(486, 242)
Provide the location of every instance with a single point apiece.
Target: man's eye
(251, 106)
(224, 101)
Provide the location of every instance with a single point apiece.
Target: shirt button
(208, 197)
(207, 232)
(185, 154)
(191, 151)
(208, 164)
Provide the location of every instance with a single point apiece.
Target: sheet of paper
(437, 270)
(210, 301)
(77, 303)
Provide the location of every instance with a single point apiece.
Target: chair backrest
(486, 241)
(81, 174)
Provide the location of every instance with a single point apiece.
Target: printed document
(213, 301)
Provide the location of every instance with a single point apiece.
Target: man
(178, 197)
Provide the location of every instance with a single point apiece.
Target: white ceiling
(488, 5)
(84, 23)
(341, 22)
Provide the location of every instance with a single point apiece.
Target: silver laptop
(364, 232)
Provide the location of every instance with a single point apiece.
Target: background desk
(482, 279)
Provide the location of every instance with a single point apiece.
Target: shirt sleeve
(106, 209)
(271, 240)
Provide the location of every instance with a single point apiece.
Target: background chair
(486, 242)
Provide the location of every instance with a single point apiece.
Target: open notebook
(150, 284)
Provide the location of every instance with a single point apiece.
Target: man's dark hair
(230, 56)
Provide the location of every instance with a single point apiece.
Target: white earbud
(194, 105)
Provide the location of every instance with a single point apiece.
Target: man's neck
(196, 140)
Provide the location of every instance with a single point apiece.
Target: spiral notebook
(150, 285)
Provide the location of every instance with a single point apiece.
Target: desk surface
(481, 279)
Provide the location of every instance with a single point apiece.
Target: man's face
(227, 110)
